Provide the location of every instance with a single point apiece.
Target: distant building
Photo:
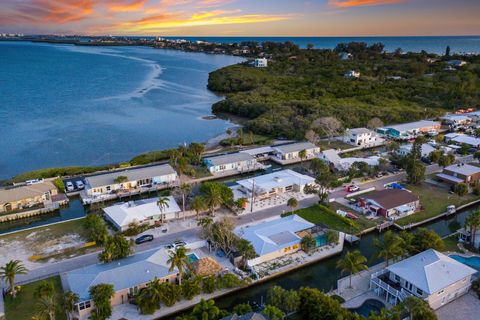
(361, 137)
(406, 131)
(429, 275)
(145, 211)
(456, 119)
(260, 63)
(457, 63)
(260, 152)
(238, 162)
(247, 316)
(342, 164)
(352, 74)
(426, 150)
(345, 56)
(291, 151)
(28, 196)
(460, 173)
(465, 139)
(389, 203)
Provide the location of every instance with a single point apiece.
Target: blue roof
(123, 274)
(274, 235)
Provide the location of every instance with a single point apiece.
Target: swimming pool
(473, 262)
(369, 306)
(192, 257)
(321, 240)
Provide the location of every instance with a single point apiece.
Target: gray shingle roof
(294, 147)
(133, 174)
(229, 158)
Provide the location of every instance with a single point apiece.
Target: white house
(345, 56)
(261, 63)
(291, 151)
(135, 179)
(362, 137)
(352, 74)
(144, 211)
(332, 157)
(429, 275)
(457, 63)
(426, 149)
(466, 139)
(238, 162)
(274, 239)
(272, 184)
(456, 119)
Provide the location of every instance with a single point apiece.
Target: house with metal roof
(127, 276)
(274, 239)
(456, 119)
(390, 202)
(272, 184)
(406, 131)
(28, 196)
(425, 149)
(362, 137)
(237, 162)
(290, 152)
(460, 173)
(130, 179)
(429, 275)
(332, 157)
(144, 211)
(466, 139)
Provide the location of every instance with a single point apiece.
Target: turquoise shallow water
(67, 105)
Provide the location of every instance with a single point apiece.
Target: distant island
(352, 83)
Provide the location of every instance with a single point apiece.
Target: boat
(451, 209)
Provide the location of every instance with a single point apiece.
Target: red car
(353, 188)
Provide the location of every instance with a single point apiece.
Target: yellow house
(28, 196)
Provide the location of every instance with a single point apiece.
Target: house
(410, 130)
(28, 196)
(268, 185)
(342, 164)
(238, 162)
(274, 239)
(460, 173)
(130, 180)
(426, 149)
(351, 74)
(456, 63)
(291, 151)
(345, 56)
(390, 203)
(260, 153)
(361, 137)
(260, 63)
(127, 276)
(145, 211)
(429, 275)
(465, 139)
(456, 120)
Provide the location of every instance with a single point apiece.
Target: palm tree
(163, 203)
(303, 155)
(391, 247)
(472, 222)
(199, 205)
(292, 203)
(213, 197)
(46, 307)
(185, 190)
(148, 299)
(353, 262)
(9, 271)
(246, 250)
(206, 310)
(178, 259)
(70, 299)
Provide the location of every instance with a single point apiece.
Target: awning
(449, 178)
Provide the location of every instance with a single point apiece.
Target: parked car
(69, 186)
(80, 184)
(353, 188)
(426, 160)
(176, 244)
(144, 238)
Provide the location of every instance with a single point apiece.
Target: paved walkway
(360, 283)
(467, 307)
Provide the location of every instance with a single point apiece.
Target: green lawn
(362, 222)
(23, 306)
(334, 144)
(434, 201)
(318, 214)
(451, 243)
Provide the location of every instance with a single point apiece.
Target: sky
(241, 17)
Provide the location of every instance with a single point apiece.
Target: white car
(80, 184)
(70, 186)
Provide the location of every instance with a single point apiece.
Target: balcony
(381, 280)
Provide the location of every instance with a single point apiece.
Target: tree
(390, 247)
(312, 136)
(315, 305)
(222, 235)
(120, 179)
(171, 293)
(44, 289)
(415, 168)
(179, 260)
(329, 126)
(292, 203)
(425, 239)
(70, 299)
(435, 156)
(374, 123)
(446, 159)
(472, 223)
(209, 284)
(163, 203)
(447, 51)
(461, 189)
(199, 205)
(215, 195)
(303, 155)
(246, 250)
(242, 308)
(46, 307)
(96, 228)
(323, 177)
(353, 262)
(332, 237)
(191, 288)
(197, 149)
(101, 295)
(206, 310)
(310, 46)
(184, 190)
(273, 313)
(476, 155)
(148, 299)
(286, 300)
(416, 308)
(116, 247)
(308, 243)
(9, 271)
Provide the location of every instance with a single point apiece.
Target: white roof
(413, 125)
(431, 271)
(465, 169)
(472, 141)
(346, 163)
(451, 135)
(455, 117)
(256, 151)
(359, 131)
(125, 213)
(449, 177)
(331, 156)
(294, 147)
(279, 179)
(274, 235)
(425, 150)
(229, 158)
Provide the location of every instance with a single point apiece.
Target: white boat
(451, 209)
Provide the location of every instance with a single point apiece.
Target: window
(440, 292)
(84, 305)
(419, 292)
(397, 278)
